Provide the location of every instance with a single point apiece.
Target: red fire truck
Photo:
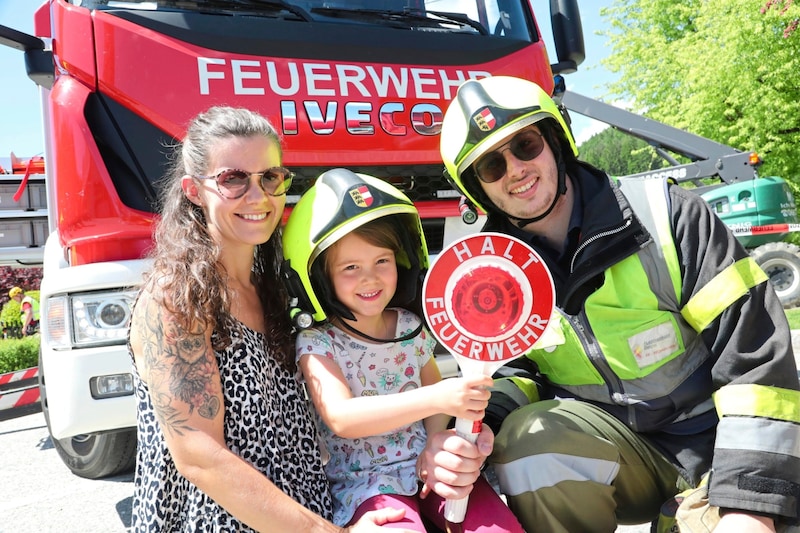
(361, 84)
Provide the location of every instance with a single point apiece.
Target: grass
(794, 317)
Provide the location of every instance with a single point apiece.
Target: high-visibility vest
(632, 347)
(34, 306)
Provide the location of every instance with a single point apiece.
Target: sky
(20, 103)
(20, 113)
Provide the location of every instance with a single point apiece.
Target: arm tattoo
(179, 366)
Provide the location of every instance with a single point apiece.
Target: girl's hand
(373, 520)
(465, 397)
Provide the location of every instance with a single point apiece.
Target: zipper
(614, 385)
(580, 323)
(596, 237)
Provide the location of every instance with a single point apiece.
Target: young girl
(365, 260)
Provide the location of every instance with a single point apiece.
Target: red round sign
(488, 297)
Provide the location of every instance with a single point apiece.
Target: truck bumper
(67, 368)
(72, 409)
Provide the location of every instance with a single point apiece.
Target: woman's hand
(449, 464)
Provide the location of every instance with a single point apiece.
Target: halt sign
(488, 297)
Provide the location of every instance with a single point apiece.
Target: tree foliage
(26, 278)
(723, 69)
(788, 9)
(620, 154)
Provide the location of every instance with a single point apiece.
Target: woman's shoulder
(156, 309)
(152, 301)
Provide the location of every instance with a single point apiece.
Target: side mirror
(38, 61)
(567, 35)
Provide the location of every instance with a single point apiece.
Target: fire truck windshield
(500, 18)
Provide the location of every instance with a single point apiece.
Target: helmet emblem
(484, 119)
(361, 196)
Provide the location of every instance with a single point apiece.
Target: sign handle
(456, 510)
(487, 299)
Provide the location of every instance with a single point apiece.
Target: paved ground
(39, 494)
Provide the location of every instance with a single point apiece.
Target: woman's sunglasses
(233, 183)
(525, 145)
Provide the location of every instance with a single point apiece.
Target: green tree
(723, 69)
(620, 154)
(788, 9)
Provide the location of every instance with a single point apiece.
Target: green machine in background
(760, 211)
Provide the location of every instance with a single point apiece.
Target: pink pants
(486, 512)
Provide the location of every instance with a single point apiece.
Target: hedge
(18, 354)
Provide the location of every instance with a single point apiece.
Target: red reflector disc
(487, 301)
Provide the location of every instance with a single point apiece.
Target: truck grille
(420, 183)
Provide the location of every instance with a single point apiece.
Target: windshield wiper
(251, 6)
(402, 17)
(462, 19)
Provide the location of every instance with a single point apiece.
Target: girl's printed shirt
(361, 468)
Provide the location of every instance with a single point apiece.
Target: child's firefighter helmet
(337, 203)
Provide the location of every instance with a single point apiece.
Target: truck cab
(348, 83)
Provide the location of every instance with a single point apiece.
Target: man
(29, 309)
(669, 362)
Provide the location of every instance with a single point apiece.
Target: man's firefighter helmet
(337, 203)
(484, 113)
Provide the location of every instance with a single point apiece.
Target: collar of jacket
(610, 233)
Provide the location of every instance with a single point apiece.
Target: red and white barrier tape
(744, 231)
(19, 375)
(19, 393)
(21, 398)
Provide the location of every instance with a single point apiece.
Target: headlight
(93, 319)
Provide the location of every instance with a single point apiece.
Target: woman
(225, 441)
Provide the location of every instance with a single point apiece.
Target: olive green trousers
(570, 467)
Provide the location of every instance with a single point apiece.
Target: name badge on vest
(653, 345)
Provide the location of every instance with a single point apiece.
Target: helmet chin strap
(405, 337)
(562, 189)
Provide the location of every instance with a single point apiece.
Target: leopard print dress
(267, 424)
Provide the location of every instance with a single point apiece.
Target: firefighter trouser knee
(567, 466)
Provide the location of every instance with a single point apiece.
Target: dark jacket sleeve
(516, 384)
(756, 463)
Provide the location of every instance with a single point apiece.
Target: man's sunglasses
(525, 145)
(233, 183)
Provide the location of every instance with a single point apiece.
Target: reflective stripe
(640, 296)
(758, 435)
(652, 198)
(758, 400)
(550, 469)
(521, 391)
(527, 386)
(722, 291)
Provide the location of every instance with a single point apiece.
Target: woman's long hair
(186, 260)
